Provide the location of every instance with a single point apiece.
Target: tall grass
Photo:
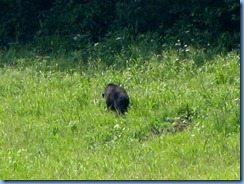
(183, 122)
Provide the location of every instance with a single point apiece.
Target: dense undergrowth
(183, 122)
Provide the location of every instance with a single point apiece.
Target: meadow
(183, 122)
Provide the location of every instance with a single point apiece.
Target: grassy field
(183, 122)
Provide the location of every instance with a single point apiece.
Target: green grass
(183, 122)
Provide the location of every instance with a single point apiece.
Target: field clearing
(183, 122)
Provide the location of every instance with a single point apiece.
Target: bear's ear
(103, 95)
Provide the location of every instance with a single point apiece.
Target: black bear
(117, 98)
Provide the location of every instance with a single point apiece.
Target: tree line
(191, 21)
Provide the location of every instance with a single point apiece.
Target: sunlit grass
(183, 122)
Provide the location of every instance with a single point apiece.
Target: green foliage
(192, 22)
(183, 122)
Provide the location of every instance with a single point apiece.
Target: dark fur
(117, 98)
